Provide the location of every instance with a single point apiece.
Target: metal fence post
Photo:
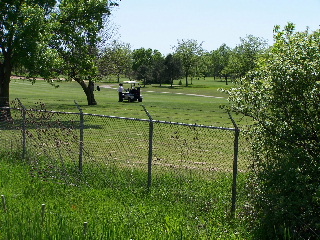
(81, 137)
(235, 166)
(24, 129)
(150, 148)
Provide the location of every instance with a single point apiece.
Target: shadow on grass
(47, 124)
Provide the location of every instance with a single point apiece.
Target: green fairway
(199, 103)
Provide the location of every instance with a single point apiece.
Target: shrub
(282, 97)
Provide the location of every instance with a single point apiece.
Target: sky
(159, 24)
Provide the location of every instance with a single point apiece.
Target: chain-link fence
(57, 144)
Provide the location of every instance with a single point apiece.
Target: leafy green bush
(282, 96)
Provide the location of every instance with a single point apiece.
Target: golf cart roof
(130, 82)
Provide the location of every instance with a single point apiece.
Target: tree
(24, 39)
(244, 56)
(143, 64)
(282, 97)
(173, 68)
(76, 35)
(157, 67)
(219, 61)
(48, 37)
(203, 68)
(188, 51)
(116, 60)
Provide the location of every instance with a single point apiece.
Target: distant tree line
(188, 60)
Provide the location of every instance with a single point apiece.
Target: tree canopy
(147, 65)
(244, 56)
(189, 52)
(172, 68)
(50, 37)
(115, 60)
(24, 40)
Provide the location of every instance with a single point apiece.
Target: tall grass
(115, 207)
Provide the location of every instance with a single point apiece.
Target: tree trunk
(186, 80)
(4, 89)
(88, 90)
(5, 74)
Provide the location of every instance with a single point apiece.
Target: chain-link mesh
(61, 145)
(48, 140)
(191, 147)
(113, 140)
(10, 130)
(55, 137)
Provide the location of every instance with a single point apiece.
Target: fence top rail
(194, 125)
(126, 118)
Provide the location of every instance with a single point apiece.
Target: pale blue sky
(159, 24)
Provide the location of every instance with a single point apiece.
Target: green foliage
(77, 24)
(142, 64)
(48, 38)
(25, 34)
(282, 97)
(151, 66)
(219, 60)
(115, 60)
(189, 52)
(243, 58)
(172, 69)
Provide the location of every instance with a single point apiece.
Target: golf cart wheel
(140, 99)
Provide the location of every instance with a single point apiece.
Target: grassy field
(199, 103)
(114, 201)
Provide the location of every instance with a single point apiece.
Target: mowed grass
(177, 104)
(200, 103)
(114, 201)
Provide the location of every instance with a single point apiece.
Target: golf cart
(132, 94)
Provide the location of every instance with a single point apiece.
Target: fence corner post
(235, 166)
(150, 148)
(81, 138)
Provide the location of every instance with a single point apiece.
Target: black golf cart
(132, 94)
